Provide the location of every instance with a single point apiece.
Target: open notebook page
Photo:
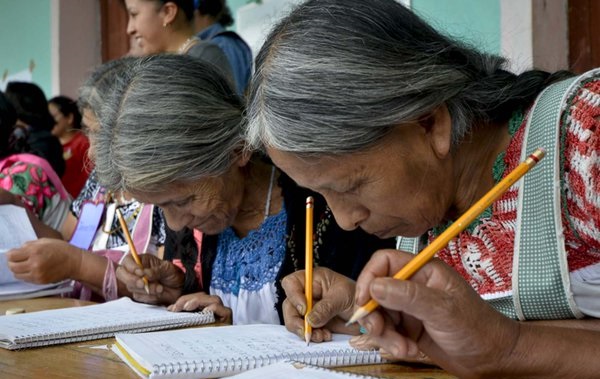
(227, 350)
(16, 230)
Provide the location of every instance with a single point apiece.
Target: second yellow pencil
(132, 249)
(308, 263)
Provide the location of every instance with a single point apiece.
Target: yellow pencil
(308, 262)
(134, 253)
(458, 226)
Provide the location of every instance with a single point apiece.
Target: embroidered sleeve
(582, 166)
(31, 183)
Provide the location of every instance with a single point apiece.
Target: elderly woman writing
(237, 222)
(97, 242)
(402, 129)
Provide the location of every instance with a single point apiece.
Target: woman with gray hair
(96, 240)
(171, 135)
(402, 129)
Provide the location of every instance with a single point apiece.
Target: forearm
(586, 324)
(90, 271)
(551, 352)
(42, 230)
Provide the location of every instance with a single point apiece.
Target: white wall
(534, 34)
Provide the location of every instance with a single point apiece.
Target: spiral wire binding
(108, 330)
(233, 366)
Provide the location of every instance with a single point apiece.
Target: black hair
(187, 6)
(216, 8)
(8, 118)
(31, 105)
(67, 106)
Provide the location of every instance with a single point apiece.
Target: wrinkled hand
(435, 312)
(333, 300)
(201, 300)
(45, 261)
(165, 280)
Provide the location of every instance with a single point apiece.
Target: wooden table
(91, 359)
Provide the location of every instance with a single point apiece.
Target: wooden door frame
(113, 28)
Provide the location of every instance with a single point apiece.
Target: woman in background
(160, 26)
(67, 127)
(97, 240)
(29, 180)
(211, 17)
(35, 123)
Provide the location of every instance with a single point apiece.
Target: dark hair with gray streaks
(98, 85)
(170, 119)
(335, 76)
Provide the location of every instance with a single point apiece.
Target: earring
(165, 25)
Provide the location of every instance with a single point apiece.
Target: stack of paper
(16, 230)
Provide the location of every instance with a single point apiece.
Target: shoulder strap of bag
(541, 286)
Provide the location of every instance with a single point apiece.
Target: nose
(130, 28)
(176, 220)
(348, 214)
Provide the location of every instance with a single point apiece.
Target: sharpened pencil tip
(360, 313)
(307, 338)
(147, 289)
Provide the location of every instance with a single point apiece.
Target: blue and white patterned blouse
(245, 270)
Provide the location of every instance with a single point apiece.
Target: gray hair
(171, 119)
(335, 76)
(99, 84)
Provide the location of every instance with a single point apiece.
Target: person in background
(211, 17)
(402, 130)
(160, 26)
(91, 263)
(75, 144)
(28, 180)
(237, 223)
(35, 122)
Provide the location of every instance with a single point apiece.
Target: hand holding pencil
(132, 249)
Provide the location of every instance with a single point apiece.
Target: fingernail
(300, 309)
(300, 333)
(159, 289)
(359, 342)
(187, 306)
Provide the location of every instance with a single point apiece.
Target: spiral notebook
(91, 322)
(295, 370)
(229, 350)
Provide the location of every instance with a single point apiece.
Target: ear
(438, 126)
(243, 158)
(169, 10)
